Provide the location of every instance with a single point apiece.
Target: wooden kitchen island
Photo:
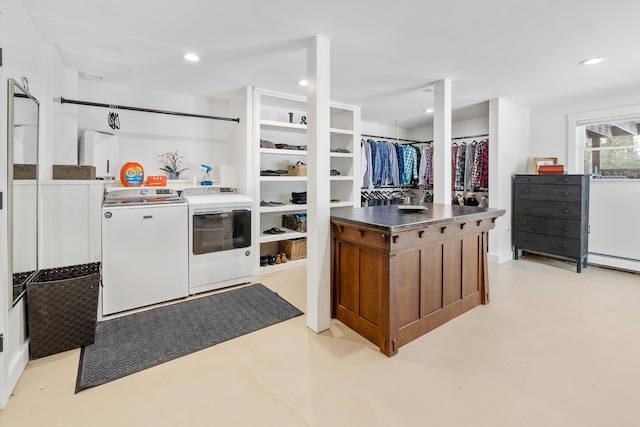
(398, 274)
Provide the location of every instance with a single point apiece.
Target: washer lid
(142, 196)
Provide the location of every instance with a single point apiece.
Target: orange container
(132, 174)
(157, 181)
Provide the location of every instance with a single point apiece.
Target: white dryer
(219, 238)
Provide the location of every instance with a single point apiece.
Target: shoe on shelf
(278, 259)
(263, 261)
(283, 257)
(274, 230)
(271, 260)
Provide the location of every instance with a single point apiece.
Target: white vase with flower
(173, 164)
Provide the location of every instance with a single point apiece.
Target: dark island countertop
(392, 218)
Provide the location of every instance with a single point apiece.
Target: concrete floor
(553, 348)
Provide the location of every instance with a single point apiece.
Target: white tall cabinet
(278, 119)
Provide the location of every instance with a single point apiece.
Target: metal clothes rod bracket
(144, 110)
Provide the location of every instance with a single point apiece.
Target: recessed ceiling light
(593, 61)
(191, 57)
(429, 110)
(303, 82)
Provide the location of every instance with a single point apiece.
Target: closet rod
(472, 136)
(394, 139)
(144, 110)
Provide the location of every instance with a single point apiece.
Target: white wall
(549, 124)
(509, 143)
(142, 136)
(459, 129)
(24, 54)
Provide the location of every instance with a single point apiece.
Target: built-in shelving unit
(272, 114)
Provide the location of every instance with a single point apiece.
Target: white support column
(442, 141)
(318, 185)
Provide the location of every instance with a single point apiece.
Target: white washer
(144, 248)
(219, 238)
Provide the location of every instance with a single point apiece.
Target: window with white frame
(612, 150)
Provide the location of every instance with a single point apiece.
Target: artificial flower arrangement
(173, 164)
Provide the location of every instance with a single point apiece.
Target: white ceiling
(382, 52)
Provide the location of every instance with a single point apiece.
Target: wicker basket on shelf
(294, 248)
(293, 222)
(299, 169)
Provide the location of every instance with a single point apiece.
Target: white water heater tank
(99, 149)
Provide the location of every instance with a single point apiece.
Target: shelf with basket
(280, 142)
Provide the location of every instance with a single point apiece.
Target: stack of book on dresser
(550, 169)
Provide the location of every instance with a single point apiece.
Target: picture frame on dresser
(543, 161)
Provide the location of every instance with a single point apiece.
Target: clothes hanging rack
(423, 142)
(467, 137)
(144, 110)
(394, 139)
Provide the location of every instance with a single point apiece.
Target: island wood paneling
(393, 287)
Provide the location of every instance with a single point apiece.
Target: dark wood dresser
(551, 216)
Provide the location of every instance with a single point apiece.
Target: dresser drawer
(557, 210)
(549, 244)
(550, 179)
(550, 227)
(554, 193)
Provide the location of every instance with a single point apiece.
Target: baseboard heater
(614, 262)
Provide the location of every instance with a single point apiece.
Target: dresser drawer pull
(525, 239)
(566, 193)
(526, 191)
(565, 246)
(526, 208)
(565, 228)
(526, 223)
(566, 210)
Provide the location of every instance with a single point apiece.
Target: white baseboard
(500, 258)
(614, 262)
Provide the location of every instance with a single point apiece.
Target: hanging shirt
(484, 170)
(460, 162)
(400, 157)
(382, 167)
(394, 176)
(366, 165)
(468, 167)
(454, 158)
(477, 167)
(425, 176)
(410, 162)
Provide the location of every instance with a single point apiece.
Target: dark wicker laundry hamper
(62, 306)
